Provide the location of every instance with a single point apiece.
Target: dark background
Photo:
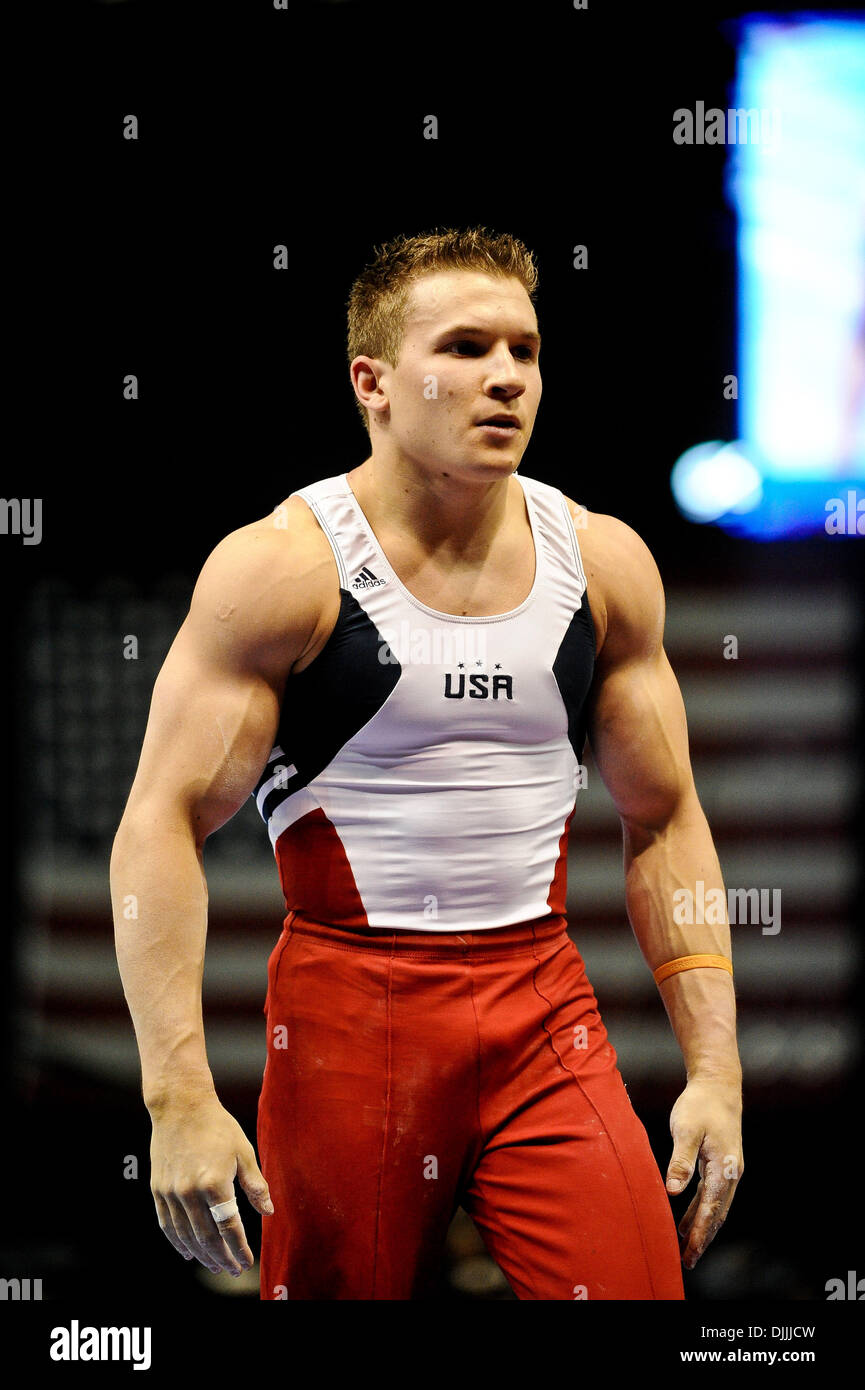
(154, 257)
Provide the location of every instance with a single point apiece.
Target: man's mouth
(503, 423)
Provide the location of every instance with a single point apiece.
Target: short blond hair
(379, 296)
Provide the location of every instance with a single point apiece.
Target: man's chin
(474, 467)
(484, 464)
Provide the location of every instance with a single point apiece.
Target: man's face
(469, 353)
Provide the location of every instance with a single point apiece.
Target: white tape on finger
(223, 1211)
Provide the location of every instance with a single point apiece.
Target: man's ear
(366, 374)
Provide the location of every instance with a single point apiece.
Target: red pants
(409, 1073)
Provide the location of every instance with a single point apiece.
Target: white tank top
(426, 765)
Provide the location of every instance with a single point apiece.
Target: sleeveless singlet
(426, 765)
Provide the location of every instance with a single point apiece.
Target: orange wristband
(673, 967)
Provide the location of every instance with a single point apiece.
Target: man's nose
(505, 376)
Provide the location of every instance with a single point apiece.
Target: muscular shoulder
(265, 589)
(624, 585)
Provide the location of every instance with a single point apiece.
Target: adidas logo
(366, 580)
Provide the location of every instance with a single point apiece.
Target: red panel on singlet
(559, 886)
(314, 870)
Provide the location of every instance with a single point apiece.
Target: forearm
(159, 903)
(700, 1002)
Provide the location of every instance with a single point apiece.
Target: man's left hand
(706, 1125)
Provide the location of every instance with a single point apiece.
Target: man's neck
(438, 509)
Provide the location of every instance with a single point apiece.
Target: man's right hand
(196, 1151)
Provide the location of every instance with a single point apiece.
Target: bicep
(210, 731)
(637, 730)
(215, 708)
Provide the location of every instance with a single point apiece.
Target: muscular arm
(213, 717)
(638, 734)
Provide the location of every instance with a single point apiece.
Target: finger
(720, 1206)
(687, 1221)
(234, 1236)
(694, 1205)
(211, 1233)
(167, 1227)
(699, 1241)
(686, 1146)
(253, 1183)
(726, 1196)
(231, 1229)
(186, 1233)
(709, 1217)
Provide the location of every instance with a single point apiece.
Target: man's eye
(466, 346)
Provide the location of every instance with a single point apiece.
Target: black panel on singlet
(327, 703)
(573, 669)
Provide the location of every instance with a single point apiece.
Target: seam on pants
(468, 962)
(504, 1244)
(288, 934)
(368, 950)
(590, 1102)
(385, 1125)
